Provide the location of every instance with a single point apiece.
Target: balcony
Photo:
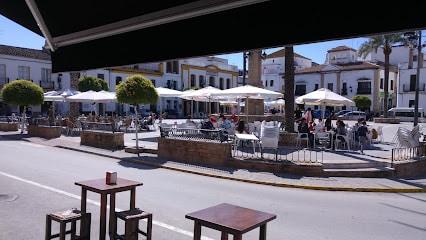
(412, 88)
(363, 91)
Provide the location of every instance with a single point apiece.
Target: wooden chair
(65, 217)
(131, 221)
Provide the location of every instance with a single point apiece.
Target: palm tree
(385, 42)
(289, 88)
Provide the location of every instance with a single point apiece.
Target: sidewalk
(148, 140)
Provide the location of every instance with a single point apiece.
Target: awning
(95, 34)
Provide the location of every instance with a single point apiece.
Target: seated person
(241, 128)
(225, 123)
(304, 128)
(341, 130)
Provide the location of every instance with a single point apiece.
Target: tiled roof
(341, 48)
(345, 67)
(281, 53)
(24, 52)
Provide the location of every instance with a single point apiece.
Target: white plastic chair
(302, 137)
(269, 138)
(346, 143)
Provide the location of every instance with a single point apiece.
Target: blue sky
(13, 34)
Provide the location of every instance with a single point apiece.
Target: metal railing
(194, 134)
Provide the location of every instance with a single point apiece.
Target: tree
(289, 88)
(22, 93)
(385, 42)
(361, 102)
(89, 82)
(136, 90)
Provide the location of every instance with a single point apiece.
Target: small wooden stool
(131, 219)
(68, 216)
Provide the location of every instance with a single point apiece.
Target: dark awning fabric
(245, 25)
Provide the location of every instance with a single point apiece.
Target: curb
(286, 185)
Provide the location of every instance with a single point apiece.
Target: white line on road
(164, 225)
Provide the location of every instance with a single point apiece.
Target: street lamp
(412, 36)
(245, 56)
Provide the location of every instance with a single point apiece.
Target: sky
(13, 34)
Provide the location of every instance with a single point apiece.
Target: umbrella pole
(161, 110)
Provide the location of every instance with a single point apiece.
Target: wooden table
(230, 219)
(100, 186)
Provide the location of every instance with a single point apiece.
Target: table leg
(197, 230)
(84, 231)
(132, 198)
(112, 220)
(102, 217)
(262, 232)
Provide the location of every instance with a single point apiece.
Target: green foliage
(137, 89)
(361, 101)
(89, 82)
(22, 93)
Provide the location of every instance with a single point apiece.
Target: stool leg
(149, 228)
(62, 231)
(48, 227)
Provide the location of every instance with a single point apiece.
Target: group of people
(309, 127)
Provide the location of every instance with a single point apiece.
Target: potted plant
(22, 93)
(135, 90)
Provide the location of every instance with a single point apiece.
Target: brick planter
(205, 153)
(6, 127)
(102, 139)
(44, 131)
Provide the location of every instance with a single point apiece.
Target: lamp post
(419, 65)
(245, 56)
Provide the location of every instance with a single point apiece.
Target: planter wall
(102, 139)
(5, 126)
(44, 131)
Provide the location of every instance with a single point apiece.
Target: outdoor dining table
(230, 219)
(247, 136)
(100, 186)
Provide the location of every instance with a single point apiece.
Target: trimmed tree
(89, 82)
(135, 90)
(22, 93)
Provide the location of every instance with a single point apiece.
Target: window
(300, 89)
(101, 76)
(192, 84)
(364, 87)
(330, 86)
(411, 103)
(24, 72)
(202, 82)
(118, 80)
(316, 86)
(266, 83)
(381, 83)
(391, 84)
(2, 74)
(413, 78)
(212, 81)
(169, 84)
(228, 83)
(46, 75)
(271, 83)
(175, 85)
(172, 67)
(153, 82)
(221, 83)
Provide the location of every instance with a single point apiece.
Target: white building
(35, 65)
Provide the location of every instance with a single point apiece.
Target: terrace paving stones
(147, 140)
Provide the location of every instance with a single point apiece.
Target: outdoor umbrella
(205, 94)
(324, 97)
(59, 96)
(166, 92)
(93, 97)
(247, 91)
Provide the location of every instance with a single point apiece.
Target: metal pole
(419, 65)
(244, 67)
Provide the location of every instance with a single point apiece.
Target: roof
(344, 67)
(24, 52)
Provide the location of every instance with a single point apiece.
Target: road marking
(160, 224)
